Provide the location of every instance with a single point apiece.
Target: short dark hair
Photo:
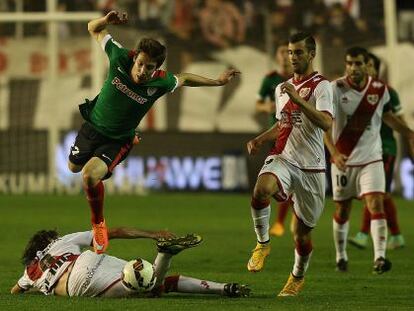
(309, 40)
(38, 242)
(357, 50)
(279, 44)
(154, 49)
(376, 60)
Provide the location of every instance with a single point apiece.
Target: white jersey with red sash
(300, 142)
(356, 128)
(49, 265)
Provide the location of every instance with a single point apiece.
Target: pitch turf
(224, 222)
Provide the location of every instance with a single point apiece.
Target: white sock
(191, 285)
(261, 223)
(340, 235)
(301, 264)
(379, 237)
(161, 265)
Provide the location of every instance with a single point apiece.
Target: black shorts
(90, 143)
(389, 161)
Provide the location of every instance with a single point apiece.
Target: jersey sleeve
(263, 91)
(277, 106)
(324, 97)
(81, 239)
(25, 282)
(386, 100)
(171, 82)
(395, 102)
(113, 48)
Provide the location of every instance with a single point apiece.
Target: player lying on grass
(57, 266)
(133, 84)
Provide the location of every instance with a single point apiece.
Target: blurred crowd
(195, 28)
(222, 23)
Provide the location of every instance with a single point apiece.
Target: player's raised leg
(265, 187)
(340, 233)
(167, 248)
(303, 253)
(374, 202)
(93, 172)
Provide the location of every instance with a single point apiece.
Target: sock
(161, 265)
(379, 234)
(303, 254)
(283, 209)
(366, 220)
(391, 215)
(340, 234)
(260, 215)
(185, 284)
(95, 197)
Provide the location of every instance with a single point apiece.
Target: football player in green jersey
(389, 149)
(266, 96)
(133, 84)
(266, 104)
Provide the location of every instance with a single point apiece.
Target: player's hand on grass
(116, 18)
(227, 75)
(340, 161)
(289, 89)
(253, 146)
(162, 234)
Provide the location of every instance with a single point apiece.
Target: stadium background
(193, 140)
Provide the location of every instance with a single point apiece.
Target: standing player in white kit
(57, 266)
(361, 103)
(296, 164)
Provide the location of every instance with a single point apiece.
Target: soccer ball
(139, 275)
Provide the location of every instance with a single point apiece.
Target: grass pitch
(225, 223)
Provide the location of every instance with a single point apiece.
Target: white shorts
(357, 181)
(307, 187)
(93, 274)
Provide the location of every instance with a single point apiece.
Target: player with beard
(296, 164)
(389, 153)
(133, 84)
(361, 104)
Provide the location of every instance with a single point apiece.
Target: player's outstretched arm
(254, 145)
(132, 233)
(189, 79)
(398, 124)
(97, 27)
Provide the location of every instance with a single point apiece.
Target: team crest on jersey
(151, 91)
(304, 92)
(372, 98)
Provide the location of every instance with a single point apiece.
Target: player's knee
(375, 204)
(89, 180)
(74, 168)
(263, 192)
(376, 208)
